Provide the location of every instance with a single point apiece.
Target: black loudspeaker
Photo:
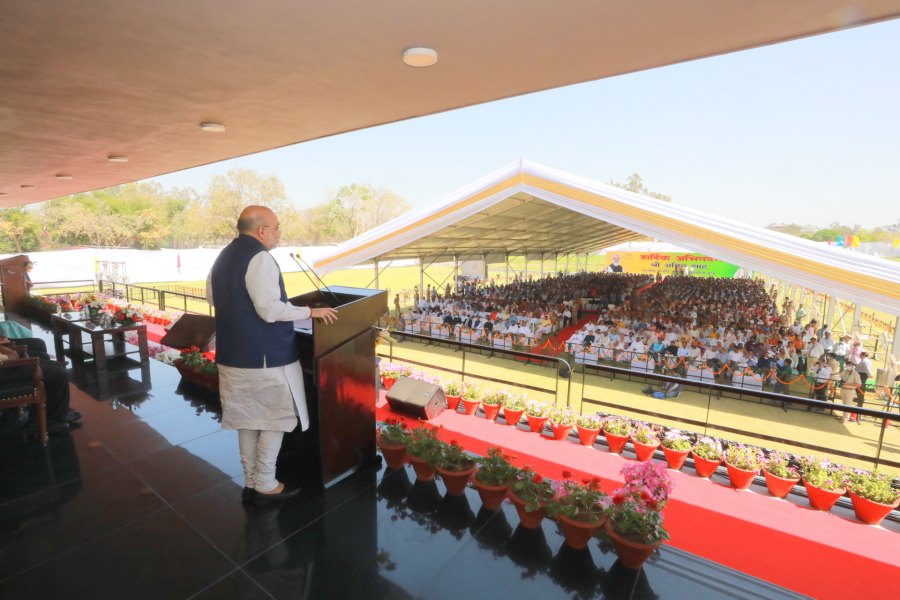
(417, 398)
(192, 330)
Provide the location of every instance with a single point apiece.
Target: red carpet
(819, 554)
(556, 344)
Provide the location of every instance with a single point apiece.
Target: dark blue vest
(243, 339)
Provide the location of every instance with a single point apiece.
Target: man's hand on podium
(327, 314)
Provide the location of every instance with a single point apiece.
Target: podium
(341, 388)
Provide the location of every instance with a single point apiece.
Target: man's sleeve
(262, 285)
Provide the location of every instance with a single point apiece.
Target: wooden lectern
(341, 388)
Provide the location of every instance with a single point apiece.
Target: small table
(89, 344)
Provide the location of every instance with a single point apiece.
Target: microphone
(307, 271)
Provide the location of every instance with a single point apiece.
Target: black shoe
(73, 416)
(247, 495)
(261, 498)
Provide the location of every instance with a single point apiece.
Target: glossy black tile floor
(143, 501)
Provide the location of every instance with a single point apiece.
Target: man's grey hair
(248, 225)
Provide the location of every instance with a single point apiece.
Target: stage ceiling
(82, 81)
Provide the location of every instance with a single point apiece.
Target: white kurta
(270, 398)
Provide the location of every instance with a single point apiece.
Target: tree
(20, 231)
(351, 210)
(229, 194)
(636, 184)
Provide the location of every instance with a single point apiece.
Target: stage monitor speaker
(417, 398)
(192, 330)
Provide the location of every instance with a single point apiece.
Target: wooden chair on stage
(20, 392)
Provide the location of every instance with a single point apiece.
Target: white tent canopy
(529, 209)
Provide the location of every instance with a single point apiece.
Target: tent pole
(422, 275)
(484, 267)
(555, 263)
(525, 272)
(506, 258)
(895, 346)
(857, 313)
(376, 274)
(829, 312)
(455, 285)
(542, 265)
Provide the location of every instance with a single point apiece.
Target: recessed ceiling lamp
(420, 57)
(3, 194)
(214, 127)
(63, 176)
(117, 158)
(27, 186)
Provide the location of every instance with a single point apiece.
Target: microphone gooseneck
(307, 270)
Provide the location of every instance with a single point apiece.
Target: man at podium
(260, 379)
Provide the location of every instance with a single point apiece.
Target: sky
(802, 132)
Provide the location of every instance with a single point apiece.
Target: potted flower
(537, 415)
(588, 427)
(456, 467)
(645, 441)
(561, 422)
(676, 445)
(635, 523)
(471, 398)
(743, 464)
(513, 407)
(491, 403)
(707, 454)
(579, 509)
(128, 315)
(392, 437)
(492, 477)
(391, 372)
(423, 451)
(453, 390)
(872, 495)
(781, 477)
(617, 430)
(824, 481)
(530, 493)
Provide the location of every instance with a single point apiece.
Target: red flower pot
(615, 442)
(453, 402)
(740, 478)
(456, 481)
(869, 511)
(704, 466)
(491, 411)
(394, 454)
(470, 407)
(822, 499)
(424, 471)
(560, 432)
(536, 423)
(578, 533)
(631, 554)
(675, 458)
(388, 382)
(492, 496)
(528, 520)
(587, 435)
(512, 416)
(779, 486)
(644, 452)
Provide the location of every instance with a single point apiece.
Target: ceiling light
(3, 194)
(214, 127)
(27, 186)
(63, 176)
(117, 158)
(420, 57)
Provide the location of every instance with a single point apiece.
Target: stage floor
(143, 501)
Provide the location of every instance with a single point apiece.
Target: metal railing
(560, 365)
(714, 392)
(160, 298)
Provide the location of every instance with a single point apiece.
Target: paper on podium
(303, 324)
